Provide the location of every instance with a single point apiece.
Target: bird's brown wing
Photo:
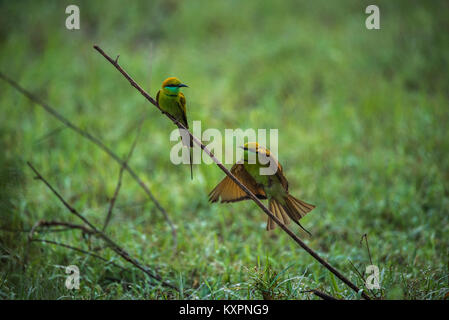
(280, 175)
(228, 191)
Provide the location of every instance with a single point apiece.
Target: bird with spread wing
(273, 187)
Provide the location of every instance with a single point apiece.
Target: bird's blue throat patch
(173, 89)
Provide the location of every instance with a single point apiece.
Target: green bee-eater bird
(172, 101)
(274, 187)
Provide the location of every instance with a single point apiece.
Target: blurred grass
(362, 118)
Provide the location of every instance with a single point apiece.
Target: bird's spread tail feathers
(292, 208)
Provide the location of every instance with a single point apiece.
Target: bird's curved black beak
(182, 85)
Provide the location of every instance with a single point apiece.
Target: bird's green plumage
(173, 102)
(271, 183)
(282, 205)
(273, 187)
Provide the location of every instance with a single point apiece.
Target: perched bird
(274, 187)
(172, 101)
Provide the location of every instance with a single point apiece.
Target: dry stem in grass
(92, 230)
(120, 176)
(321, 294)
(49, 224)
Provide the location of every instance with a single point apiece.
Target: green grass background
(363, 128)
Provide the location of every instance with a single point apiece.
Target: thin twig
(371, 261)
(367, 246)
(60, 244)
(12, 230)
(357, 271)
(321, 294)
(361, 277)
(230, 175)
(49, 134)
(7, 229)
(79, 250)
(120, 176)
(43, 223)
(114, 246)
(99, 143)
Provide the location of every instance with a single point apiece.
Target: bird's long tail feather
(191, 164)
(292, 208)
(186, 137)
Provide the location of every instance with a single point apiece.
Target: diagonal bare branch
(230, 175)
(49, 224)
